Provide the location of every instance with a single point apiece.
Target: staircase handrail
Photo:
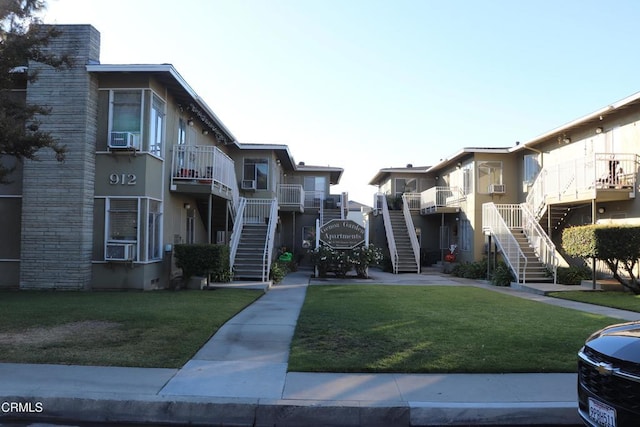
(542, 244)
(495, 224)
(344, 205)
(238, 224)
(393, 251)
(411, 229)
(268, 244)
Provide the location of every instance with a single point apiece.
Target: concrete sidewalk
(240, 378)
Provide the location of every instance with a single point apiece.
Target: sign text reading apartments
(342, 234)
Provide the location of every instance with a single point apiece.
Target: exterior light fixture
(599, 129)
(187, 205)
(566, 140)
(190, 122)
(205, 132)
(601, 210)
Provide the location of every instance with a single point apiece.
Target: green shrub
(279, 269)
(502, 275)
(573, 275)
(202, 260)
(342, 261)
(471, 270)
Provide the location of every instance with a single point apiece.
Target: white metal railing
(205, 165)
(238, 225)
(495, 224)
(519, 217)
(268, 245)
(411, 200)
(544, 248)
(257, 211)
(393, 252)
(291, 195)
(439, 196)
(570, 180)
(411, 229)
(344, 205)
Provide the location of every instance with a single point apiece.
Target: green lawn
(621, 300)
(145, 329)
(435, 329)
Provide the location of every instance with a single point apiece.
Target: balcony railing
(583, 178)
(204, 165)
(440, 197)
(291, 195)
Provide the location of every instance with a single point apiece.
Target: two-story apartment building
(149, 165)
(515, 200)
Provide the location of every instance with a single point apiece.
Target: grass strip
(435, 329)
(140, 329)
(621, 300)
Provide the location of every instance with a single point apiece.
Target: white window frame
(530, 169)
(255, 161)
(157, 121)
(465, 235)
(154, 236)
(139, 133)
(154, 227)
(412, 183)
(109, 238)
(491, 166)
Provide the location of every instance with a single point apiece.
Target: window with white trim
(465, 237)
(122, 220)
(124, 224)
(531, 169)
(126, 116)
(156, 127)
(406, 185)
(467, 179)
(489, 174)
(314, 190)
(257, 170)
(154, 230)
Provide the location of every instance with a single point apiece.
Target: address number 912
(122, 179)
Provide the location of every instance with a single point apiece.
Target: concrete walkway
(240, 378)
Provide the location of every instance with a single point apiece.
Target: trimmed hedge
(616, 245)
(202, 260)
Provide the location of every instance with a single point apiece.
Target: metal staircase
(330, 214)
(526, 248)
(534, 269)
(406, 257)
(251, 246)
(248, 261)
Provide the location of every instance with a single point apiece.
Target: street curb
(251, 412)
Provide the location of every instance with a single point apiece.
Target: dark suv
(609, 377)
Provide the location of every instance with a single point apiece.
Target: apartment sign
(342, 234)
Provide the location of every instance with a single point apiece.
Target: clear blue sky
(365, 85)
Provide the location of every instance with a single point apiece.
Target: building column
(58, 197)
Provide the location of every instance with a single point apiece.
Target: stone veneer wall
(57, 202)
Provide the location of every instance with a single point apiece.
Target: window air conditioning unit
(120, 251)
(497, 189)
(126, 140)
(248, 184)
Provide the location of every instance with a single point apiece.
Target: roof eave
(163, 68)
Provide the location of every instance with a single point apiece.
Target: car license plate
(602, 414)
